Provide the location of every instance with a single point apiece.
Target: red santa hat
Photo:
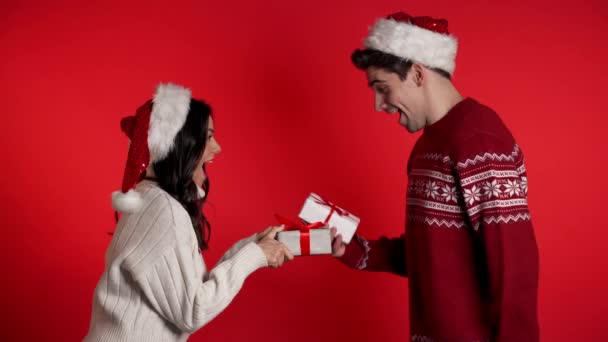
(151, 132)
(422, 40)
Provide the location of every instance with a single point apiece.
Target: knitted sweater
(469, 251)
(155, 286)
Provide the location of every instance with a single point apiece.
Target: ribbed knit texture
(155, 286)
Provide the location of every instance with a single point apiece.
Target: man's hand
(338, 247)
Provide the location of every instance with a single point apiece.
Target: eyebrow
(211, 130)
(371, 84)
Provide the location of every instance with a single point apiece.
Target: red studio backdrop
(293, 116)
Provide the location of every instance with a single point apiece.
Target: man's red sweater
(469, 250)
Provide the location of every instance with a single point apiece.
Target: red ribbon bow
(435, 25)
(304, 231)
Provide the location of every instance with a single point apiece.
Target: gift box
(305, 239)
(318, 209)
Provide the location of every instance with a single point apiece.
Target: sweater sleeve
(174, 284)
(237, 247)
(381, 255)
(494, 186)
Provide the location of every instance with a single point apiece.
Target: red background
(293, 116)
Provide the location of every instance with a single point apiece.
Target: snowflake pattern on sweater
(495, 184)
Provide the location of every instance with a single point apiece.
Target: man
(469, 251)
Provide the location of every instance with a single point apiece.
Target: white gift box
(320, 241)
(317, 209)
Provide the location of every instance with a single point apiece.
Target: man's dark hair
(363, 59)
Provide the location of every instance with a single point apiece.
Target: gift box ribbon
(332, 208)
(304, 231)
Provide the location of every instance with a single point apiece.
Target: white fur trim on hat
(414, 43)
(170, 108)
(129, 202)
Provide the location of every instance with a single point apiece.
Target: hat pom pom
(129, 202)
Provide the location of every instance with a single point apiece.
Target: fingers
(283, 254)
(279, 254)
(275, 258)
(274, 231)
(338, 242)
(288, 253)
(265, 232)
(338, 247)
(276, 252)
(268, 232)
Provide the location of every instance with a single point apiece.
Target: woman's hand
(260, 236)
(276, 252)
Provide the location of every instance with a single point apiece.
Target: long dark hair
(174, 173)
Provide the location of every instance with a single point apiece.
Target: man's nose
(379, 104)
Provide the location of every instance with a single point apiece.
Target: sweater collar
(450, 119)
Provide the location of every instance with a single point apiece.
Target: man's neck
(442, 96)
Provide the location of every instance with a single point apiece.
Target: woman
(155, 286)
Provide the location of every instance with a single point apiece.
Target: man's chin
(409, 128)
(403, 121)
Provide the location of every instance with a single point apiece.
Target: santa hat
(419, 39)
(152, 132)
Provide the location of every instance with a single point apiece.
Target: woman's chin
(200, 182)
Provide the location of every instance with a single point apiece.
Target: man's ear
(417, 74)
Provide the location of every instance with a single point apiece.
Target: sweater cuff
(250, 258)
(357, 253)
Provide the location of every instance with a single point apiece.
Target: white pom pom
(130, 202)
